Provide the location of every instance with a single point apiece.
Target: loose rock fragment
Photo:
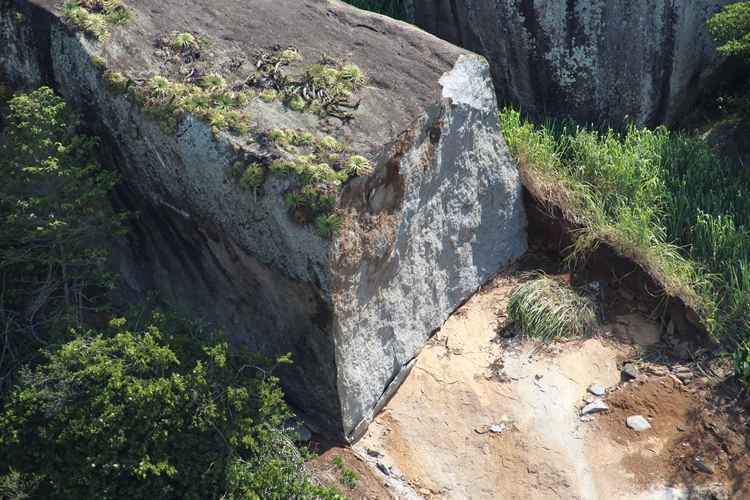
(595, 407)
(630, 370)
(702, 466)
(638, 423)
(597, 389)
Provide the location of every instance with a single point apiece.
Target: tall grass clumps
(664, 199)
(545, 309)
(96, 18)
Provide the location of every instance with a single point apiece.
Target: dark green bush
(731, 29)
(56, 225)
(165, 411)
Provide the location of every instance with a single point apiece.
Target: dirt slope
(485, 417)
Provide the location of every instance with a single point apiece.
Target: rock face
(600, 60)
(440, 214)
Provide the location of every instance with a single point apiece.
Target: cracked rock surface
(439, 216)
(601, 60)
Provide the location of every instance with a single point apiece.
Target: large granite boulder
(220, 115)
(593, 60)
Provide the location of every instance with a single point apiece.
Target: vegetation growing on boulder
(151, 406)
(96, 18)
(325, 88)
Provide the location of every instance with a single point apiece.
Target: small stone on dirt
(373, 453)
(638, 423)
(497, 428)
(703, 466)
(384, 468)
(630, 370)
(595, 407)
(425, 491)
(597, 389)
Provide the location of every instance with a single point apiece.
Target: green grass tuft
(547, 310)
(664, 199)
(96, 18)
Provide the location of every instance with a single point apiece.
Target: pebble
(425, 491)
(638, 423)
(594, 407)
(384, 468)
(630, 370)
(703, 466)
(597, 389)
(497, 428)
(373, 453)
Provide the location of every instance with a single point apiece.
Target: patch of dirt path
(481, 417)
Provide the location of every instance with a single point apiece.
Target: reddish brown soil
(688, 425)
(368, 486)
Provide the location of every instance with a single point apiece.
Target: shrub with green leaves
(56, 224)
(545, 309)
(163, 411)
(731, 29)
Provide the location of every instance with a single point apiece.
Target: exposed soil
(367, 485)
(488, 415)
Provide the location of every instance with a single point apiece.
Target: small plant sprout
(290, 55)
(349, 478)
(278, 136)
(268, 95)
(328, 143)
(327, 225)
(296, 103)
(353, 75)
(545, 309)
(116, 80)
(253, 178)
(99, 62)
(158, 86)
(357, 165)
(213, 81)
(184, 42)
(95, 18)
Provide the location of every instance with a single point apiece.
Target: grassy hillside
(665, 199)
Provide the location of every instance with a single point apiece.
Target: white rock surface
(597, 389)
(595, 407)
(638, 423)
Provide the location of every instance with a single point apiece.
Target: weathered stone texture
(439, 216)
(594, 60)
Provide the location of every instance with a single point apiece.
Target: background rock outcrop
(439, 215)
(594, 60)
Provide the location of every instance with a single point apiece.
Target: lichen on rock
(422, 203)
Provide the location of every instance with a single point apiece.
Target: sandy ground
(482, 416)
